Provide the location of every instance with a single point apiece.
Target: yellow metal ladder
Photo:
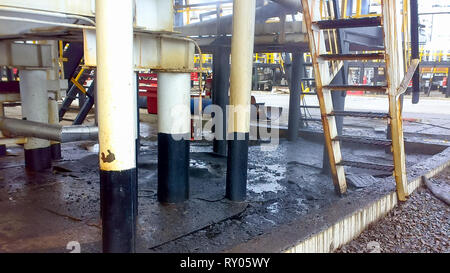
(326, 65)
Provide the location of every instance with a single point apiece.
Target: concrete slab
(44, 212)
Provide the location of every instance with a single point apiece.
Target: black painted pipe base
(56, 151)
(237, 161)
(220, 147)
(38, 159)
(119, 210)
(2, 150)
(173, 168)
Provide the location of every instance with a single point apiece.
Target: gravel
(420, 225)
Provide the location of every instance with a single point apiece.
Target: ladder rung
(365, 140)
(365, 165)
(372, 88)
(309, 106)
(360, 114)
(308, 79)
(361, 56)
(308, 93)
(349, 23)
(311, 119)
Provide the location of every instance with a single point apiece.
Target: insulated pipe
(262, 13)
(46, 13)
(117, 124)
(53, 118)
(221, 86)
(294, 96)
(174, 129)
(240, 93)
(54, 132)
(53, 115)
(33, 93)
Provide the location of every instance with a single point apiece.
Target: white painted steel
(174, 114)
(115, 89)
(33, 93)
(241, 64)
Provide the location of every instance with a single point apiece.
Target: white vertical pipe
(115, 93)
(174, 114)
(53, 75)
(33, 93)
(174, 120)
(241, 64)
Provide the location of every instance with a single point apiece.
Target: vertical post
(53, 118)
(240, 93)
(10, 74)
(174, 129)
(2, 114)
(294, 97)
(117, 124)
(53, 95)
(415, 49)
(33, 93)
(221, 85)
(179, 18)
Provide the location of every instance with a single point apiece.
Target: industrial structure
(115, 58)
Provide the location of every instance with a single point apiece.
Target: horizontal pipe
(78, 133)
(47, 131)
(291, 4)
(46, 13)
(262, 13)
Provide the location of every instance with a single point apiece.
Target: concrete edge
(351, 226)
(317, 234)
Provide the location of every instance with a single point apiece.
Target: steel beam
(151, 51)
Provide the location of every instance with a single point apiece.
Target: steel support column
(174, 129)
(117, 124)
(294, 97)
(240, 96)
(221, 85)
(414, 13)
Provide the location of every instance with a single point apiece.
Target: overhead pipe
(46, 13)
(295, 5)
(240, 93)
(261, 14)
(53, 132)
